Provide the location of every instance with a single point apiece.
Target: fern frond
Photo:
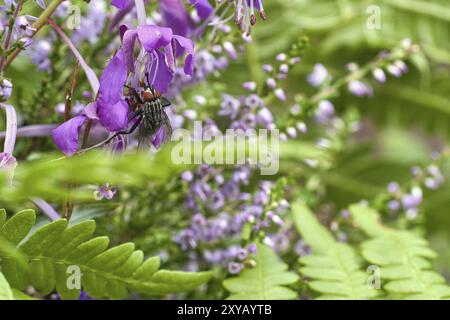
(52, 249)
(404, 258)
(266, 281)
(344, 24)
(334, 267)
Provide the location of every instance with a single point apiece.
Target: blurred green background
(405, 121)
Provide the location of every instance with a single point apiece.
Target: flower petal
(188, 46)
(203, 8)
(159, 73)
(113, 79)
(120, 3)
(91, 111)
(154, 37)
(129, 38)
(66, 135)
(7, 160)
(170, 58)
(122, 29)
(158, 138)
(176, 17)
(112, 110)
(113, 116)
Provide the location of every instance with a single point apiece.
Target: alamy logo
(374, 19)
(73, 17)
(374, 281)
(74, 279)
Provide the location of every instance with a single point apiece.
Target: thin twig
(37, 25)
(67, 110)
(10, 31)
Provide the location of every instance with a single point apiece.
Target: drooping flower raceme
(110, 108)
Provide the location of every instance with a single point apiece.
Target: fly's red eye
(157, 94)
(148, 95)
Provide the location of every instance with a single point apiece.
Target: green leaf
(335, 268)
(2, 217)
(55, 253)
(405, 264)
(16, 228)
(266, 281)
(5, 289)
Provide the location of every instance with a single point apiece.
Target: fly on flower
(149, 116)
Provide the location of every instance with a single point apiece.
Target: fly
(149, 115)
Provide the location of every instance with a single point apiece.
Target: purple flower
(413, 199)
(7, 161)
(271, 83)
(229, 106)
(121, 3)
(393, 187)
(379, 75)
(359, 88)
(279, 93)
(253, 101)
(324, 111)
(66, 135)
(84, 296)
(249, 85)
(110, 106)
(318, 76)
(242, 254)
(105, 192)
(187, 176)
(5, 90)
(203, 7)
(176, 17)
(267, 68)
(230, 50)
(112, 109)
(394, 70)
(216, 201)
(158, 138)
(302, 249)
(8, 164)
(252, 248)
(264, 117)
(160, 66)
(235, 267)
(394, 205)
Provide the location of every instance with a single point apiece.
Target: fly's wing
(167, 126)
(164, 102)
(146, 130)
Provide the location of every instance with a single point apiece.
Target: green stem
(12, 21)
(40, 22)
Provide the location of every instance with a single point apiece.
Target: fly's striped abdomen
(153, 111)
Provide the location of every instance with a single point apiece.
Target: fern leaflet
(266, 281)
(403, 258)
(334, 267)
(55, 252)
